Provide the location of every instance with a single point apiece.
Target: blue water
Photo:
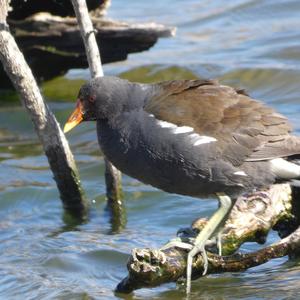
(250, 44)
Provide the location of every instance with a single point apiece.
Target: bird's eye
(92, 98)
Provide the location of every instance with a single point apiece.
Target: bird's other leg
(210, 228)
(184, 240)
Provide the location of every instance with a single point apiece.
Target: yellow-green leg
(211, 227)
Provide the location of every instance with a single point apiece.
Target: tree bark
(48, 130)
(112, 175)
(150, 267)
(252, 217)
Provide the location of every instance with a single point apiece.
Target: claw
(205, 261)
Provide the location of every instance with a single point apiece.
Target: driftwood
(253, 216)
(112, 174)
(52, 44)
(52, 138)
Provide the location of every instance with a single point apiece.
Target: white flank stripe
(196, 139)
(284, 169)
(240, 173)
(183, 129)
(203, 139)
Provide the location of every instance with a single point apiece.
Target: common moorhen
(191, 137)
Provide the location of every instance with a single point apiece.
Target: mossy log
(252, 217)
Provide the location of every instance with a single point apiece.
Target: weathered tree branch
(251, 219)
(112, 175)
(150, 268)
(55, 145)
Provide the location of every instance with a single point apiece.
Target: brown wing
(245, 128)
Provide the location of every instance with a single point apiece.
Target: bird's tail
(286, 169)
(295, 160)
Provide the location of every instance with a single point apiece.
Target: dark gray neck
(131, 97)
(139, 94)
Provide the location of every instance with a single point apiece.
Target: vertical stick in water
(112, 175)
(48, 130)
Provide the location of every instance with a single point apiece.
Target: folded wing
(245, 129)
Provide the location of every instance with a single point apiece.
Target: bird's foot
(187, 232)
(179, 242)
(200, 248)
(185, 239)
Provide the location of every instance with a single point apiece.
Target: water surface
(43, 255)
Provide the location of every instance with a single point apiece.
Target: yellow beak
(75, 118)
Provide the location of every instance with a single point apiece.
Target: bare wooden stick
(112, 175)
(251, 219)
(88, 36)
(51, 136)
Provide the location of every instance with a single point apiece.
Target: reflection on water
(46, 255)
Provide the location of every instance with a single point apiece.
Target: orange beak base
(75, 118)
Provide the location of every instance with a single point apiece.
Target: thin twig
(112, 175)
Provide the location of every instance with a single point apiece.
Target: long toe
(179, 243)
(195, 250)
